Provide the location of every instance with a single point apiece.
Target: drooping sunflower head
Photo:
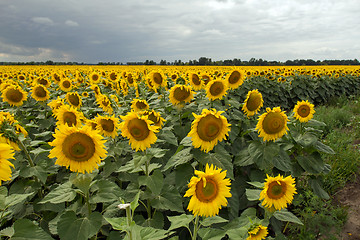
(74, 99)
(43, 81)
(195, 81)
(208, 129)
(253, 103)
(208, 191)
(216, 89)
(67, 115)
(278, 192)
(139, 105)
(272, 124)
(113, 76)
(138, 129)
(257, 232)
(6, 153)
(80, 149)
(55, 104)
(104, 103)
(179, 94)
(155, 117)
(65, 84)
(304, 111)
(107, 126)
(14, 95)
(40, 93)
(235, 78)
(157, 79)
(96, 89)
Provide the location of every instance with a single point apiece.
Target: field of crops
(161, 152)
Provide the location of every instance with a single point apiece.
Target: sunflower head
(253, 103)
(278, 192)
(235, 78)
(65, 84)
(6, 153)
(304, 111)
(80, 149)
(272, 124)
(157, 79)
(208, 191)
(14, 95)
(40, 93)
(139, 105)
(107, 126)
(216, 89)
(104, 103)
(67, 115)
(74, 99)
(155, 117)
(179, 94)
(257, 232)
(95, 77)
(139, 130)
(195, 81)
(208, 128)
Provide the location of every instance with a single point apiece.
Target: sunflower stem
(147, 172)
(31, 162)
(196, 228)
(88, 203)
(129, 220)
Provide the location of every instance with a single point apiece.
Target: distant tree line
(204, 61)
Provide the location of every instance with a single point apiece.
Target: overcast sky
(93, 31)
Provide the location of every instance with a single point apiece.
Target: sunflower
(65, 84)
(157, 79)
(94, 77)
(84, 94)
(104, 103)
(257, 232)
(113, 76)
(180, 94)
(55, 104)
(195, 81)
(235, 78)
(14, 95)
(208, 191)
(304, 111)
(205, 78)
(253, 103)
(67, 115)
(96, 89)
(6, 153)
(278, 192)
(107, 126)
(74, 99)
(155, 117)
(80, 149)
(272, 124)
(43, 81)
(216, 89)
(138, 129)
(40, 93)
(13, 144)
(208, 128)
(139, 105)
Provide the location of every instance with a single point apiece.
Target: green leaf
(148, 233)
(169, 137)
(283, 161)
(154, 182)
(187, 142)
(221, 159)
(106, 191)
(311, 163)
(117, 223)
(243, 158)
(263, 154)
(3, 194)
(180, 221)
(37, 171)
(307, 139)
(8, 232)
(211, 233)
(156, 152)
(24, 229)
(212, 220)
(135, 202)
(82, 181)
(179, 158)
(169, 199)
(257, 184)
(237, 233)
(70, 227)
(253, 194)
(286, 216)
(323, 148)
(14, 199)
(318, 190)
(63, 193)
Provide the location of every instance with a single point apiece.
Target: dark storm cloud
(92, 31)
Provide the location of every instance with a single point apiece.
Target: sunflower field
(161, 152)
